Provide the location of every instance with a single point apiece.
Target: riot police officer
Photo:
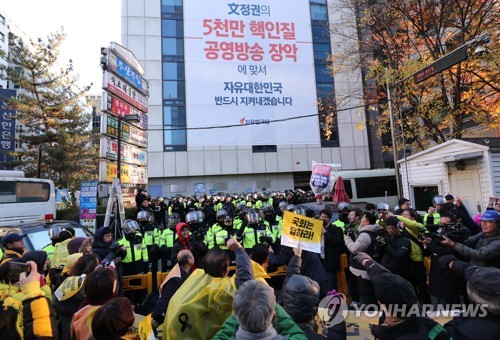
(167, 240)
(136, 261)
(254, 232)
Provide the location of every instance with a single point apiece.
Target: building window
(173, 70)
(172, 28)
(2, 37)
(173, 46)
(171, 8)
(319, 13)
(324, 81)
(2, 20)
(174, 92)
(264, 148)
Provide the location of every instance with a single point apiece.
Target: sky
(89, 25)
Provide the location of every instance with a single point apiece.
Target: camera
(454, 231)
(349, 232)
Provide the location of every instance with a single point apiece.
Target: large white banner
(249, 68)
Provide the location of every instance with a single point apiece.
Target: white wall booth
(469, 168)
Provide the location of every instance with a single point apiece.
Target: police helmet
(267, 209)
(282, 205)
(130, 226)
(191, 217)
(241, 207)
(143, 216)
(343, 206)
(382, 206)
(173, 219)
(300, 210)
(55, 231)
(438, 199)
(290, 207)
(200, 216)
(221, 215)
(252, 216)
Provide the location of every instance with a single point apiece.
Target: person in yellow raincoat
(202, 304)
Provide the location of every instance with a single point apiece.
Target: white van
(25, 200)
(370, 186)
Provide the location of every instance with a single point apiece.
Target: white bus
(371, 186)
(25, 200)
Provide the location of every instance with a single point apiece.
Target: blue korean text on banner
(88, 204)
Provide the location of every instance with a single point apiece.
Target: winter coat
(102, 250)
(334, 247)
(300, 294)
(413, 328)
(443, 282)
(397, 256)
(365, 242)
(168, 289)
(481, 250)
(66, 303)
(283, 324)
(474, 327)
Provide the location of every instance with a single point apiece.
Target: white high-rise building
(221, 118)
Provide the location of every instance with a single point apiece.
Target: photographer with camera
(444, 285)
(364, 242)
(397, 248)
(482, 249)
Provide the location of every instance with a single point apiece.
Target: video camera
(454, 231)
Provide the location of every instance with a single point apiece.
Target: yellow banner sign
(298, 228)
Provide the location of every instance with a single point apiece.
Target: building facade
(154, 31)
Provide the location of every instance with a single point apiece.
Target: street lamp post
(393, 138)
(454, 57)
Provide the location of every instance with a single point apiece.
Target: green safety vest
(275, 229)
(167, 238)
(151, 237)
(258, 204)
(216, 236)
(136, 252)
(237, 222)
(340, 224)
(251, 236)
(49, 249)
(435, 218)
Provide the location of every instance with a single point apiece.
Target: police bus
(25, 200)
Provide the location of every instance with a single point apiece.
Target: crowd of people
(73, 289)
